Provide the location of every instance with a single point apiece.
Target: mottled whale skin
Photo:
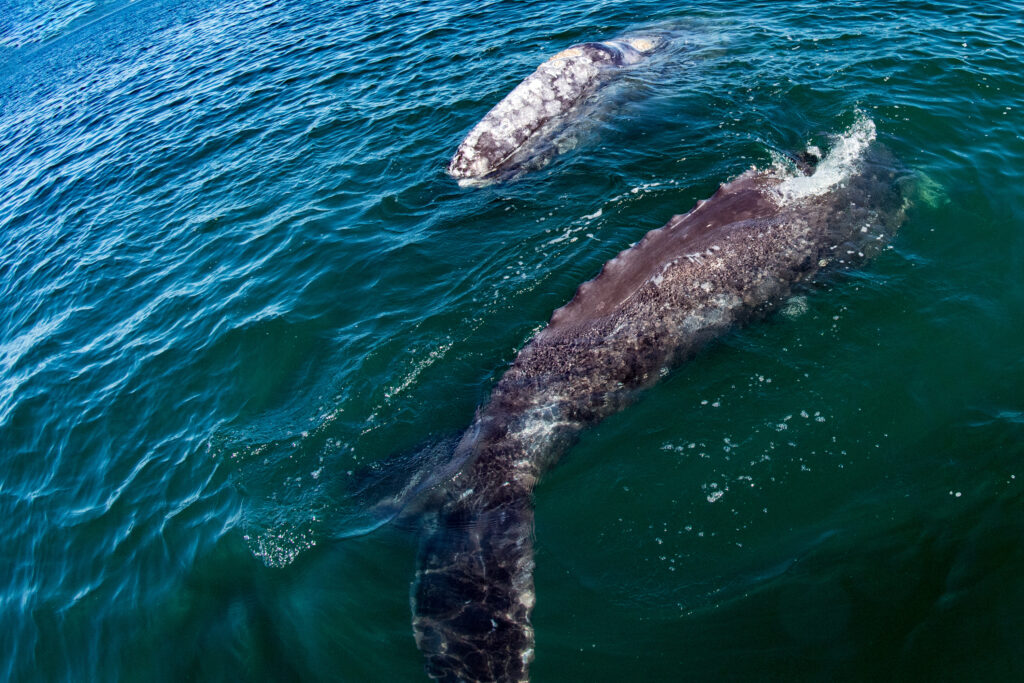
(731, 259)
(504, 138)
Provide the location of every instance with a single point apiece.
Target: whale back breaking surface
(732, 258)
(507, 134)
(690, 236)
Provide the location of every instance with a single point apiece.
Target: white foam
(840, 162)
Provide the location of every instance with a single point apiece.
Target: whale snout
(644, 44)
(634, 49)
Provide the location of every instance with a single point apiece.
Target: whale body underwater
(510, 137)
(731, 259)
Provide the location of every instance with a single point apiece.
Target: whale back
(732, 257)
(503, 139)
(685, 236)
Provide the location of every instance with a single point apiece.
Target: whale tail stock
(473, 590)
(473, 593)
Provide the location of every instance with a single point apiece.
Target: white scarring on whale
(505, 136)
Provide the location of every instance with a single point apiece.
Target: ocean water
(240, 298)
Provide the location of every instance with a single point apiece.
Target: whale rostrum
(731, 259)
(509, 134)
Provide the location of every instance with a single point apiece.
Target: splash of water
(839, 163)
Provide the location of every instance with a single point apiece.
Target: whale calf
(731, 259)
(509, 134)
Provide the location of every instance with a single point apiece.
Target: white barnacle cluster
(659, 277)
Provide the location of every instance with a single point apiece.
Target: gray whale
(508, 134)
(731, 259)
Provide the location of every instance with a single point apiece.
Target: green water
(234, 275)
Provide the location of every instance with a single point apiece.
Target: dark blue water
(238, 293)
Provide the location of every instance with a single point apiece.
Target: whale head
(633, 49)
(644, 44)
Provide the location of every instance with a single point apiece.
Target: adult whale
(509, 135)
(730, 259)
